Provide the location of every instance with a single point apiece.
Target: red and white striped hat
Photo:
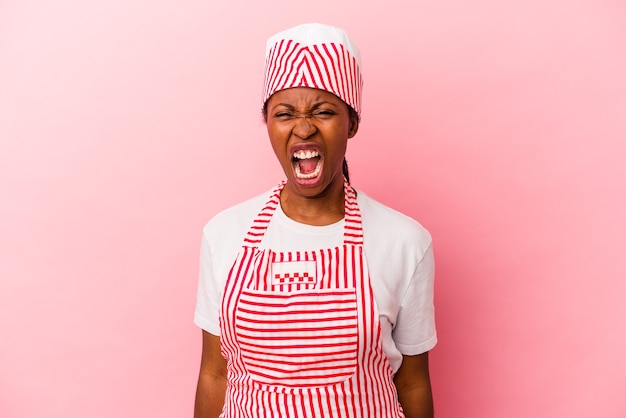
(317, 56)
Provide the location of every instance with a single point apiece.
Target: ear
(354, 124)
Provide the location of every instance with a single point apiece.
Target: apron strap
(353, 229)
(352, 232)
(261, 222)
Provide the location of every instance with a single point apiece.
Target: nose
(304, 128)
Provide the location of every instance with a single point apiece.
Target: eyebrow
(292, 107)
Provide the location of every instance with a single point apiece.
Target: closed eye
(323, 113)
(283, 115)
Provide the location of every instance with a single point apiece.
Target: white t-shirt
(398, 252)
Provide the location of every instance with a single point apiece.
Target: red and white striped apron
(301, 331)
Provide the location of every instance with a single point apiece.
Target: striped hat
(317, 56)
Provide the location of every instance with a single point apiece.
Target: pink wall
(125, 125)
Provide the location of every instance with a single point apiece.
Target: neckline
(314, 229)
(352, 228)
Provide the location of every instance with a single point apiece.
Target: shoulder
(388, 226)
(233, 223)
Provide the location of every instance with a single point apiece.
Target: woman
(314, 299)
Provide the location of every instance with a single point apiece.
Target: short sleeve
(209, 293)
(414, 332)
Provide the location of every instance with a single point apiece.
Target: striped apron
(301, 331)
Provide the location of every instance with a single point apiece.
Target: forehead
(303, 96)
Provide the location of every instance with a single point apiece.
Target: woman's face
(309, 131)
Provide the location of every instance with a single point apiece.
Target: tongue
(308, 165)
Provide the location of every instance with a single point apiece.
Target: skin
(311, 119)
(412, 382)
(211, 388)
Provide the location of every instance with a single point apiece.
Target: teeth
(310, 175)
(302, 155)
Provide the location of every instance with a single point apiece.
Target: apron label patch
(293, 272)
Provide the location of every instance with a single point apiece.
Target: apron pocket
(301, 339)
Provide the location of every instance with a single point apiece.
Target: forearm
(412, 382)
(209, 396)
(417, 402)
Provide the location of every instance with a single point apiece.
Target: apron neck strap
(353, 229)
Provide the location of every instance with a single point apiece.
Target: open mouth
(308, 164)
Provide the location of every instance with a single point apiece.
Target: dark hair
(353, 114)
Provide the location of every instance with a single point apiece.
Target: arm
(212, 379)
(413, 384)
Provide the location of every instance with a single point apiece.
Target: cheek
(338, 150)
(273, 135)
(278, 146)
(277, 132)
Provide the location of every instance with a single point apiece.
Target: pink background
(125, 125)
